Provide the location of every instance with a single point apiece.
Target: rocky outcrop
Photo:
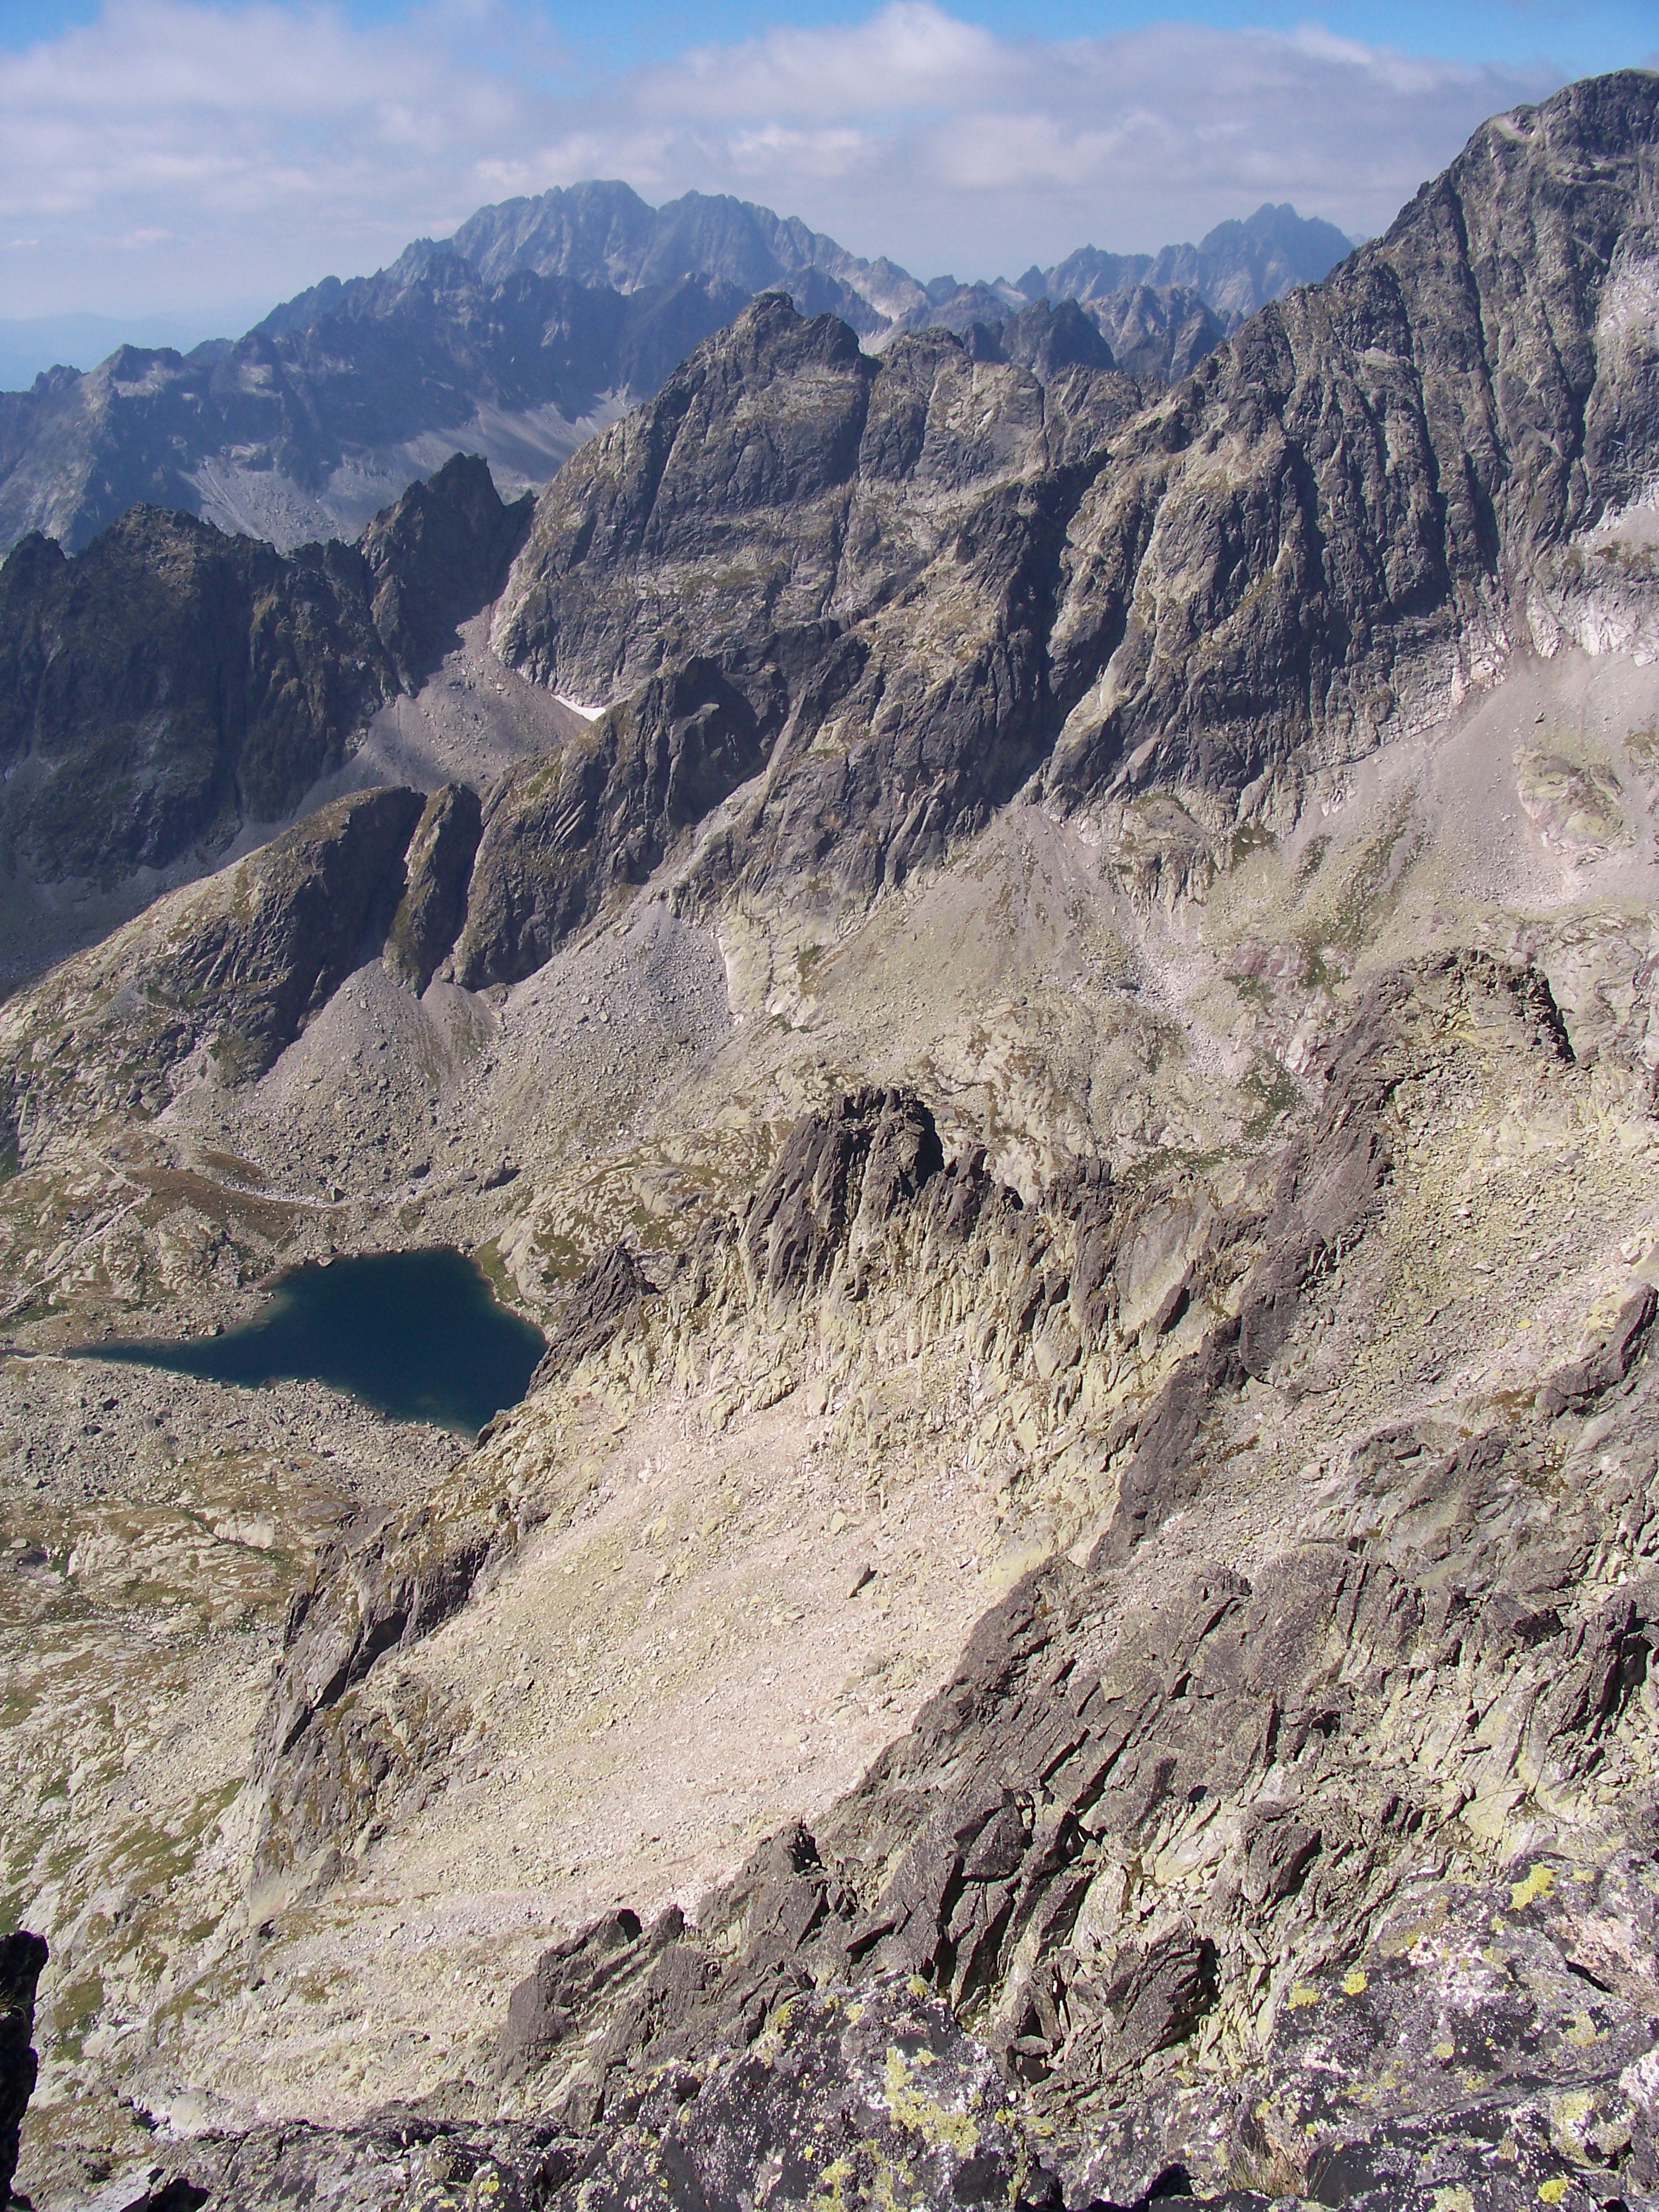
(783, 438)
(196, 675)
(22, 1958)
(318, 901)
(880, 2100)
(604, 1298)
(323, 1765)
(563, 832)
(235, 968)
(435, 559)
(1286, 1735)
(841, 1177)
(169, 683)
(437, 869)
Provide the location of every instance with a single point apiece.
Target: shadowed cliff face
(170, 684)
(863, 554)
(1382, 487)
(22, 1957)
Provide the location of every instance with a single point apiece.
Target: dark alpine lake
(419, 1335)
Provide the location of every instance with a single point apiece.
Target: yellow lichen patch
(1442, 2052)
(1303, 1995)
(912, 2108)
(1539, 1883)
(1353, 1982)
(1553, 2190)
(832, 2187)
(1570, 2114)
(769, 2044)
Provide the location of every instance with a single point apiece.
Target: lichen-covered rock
(324, 1768)
(604, 1296)
(842, 1176)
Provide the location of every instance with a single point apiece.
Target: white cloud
(170, 153)
(910, 55)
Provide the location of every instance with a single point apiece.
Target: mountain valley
(1041, 980)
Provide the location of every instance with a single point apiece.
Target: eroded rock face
(791, 496)
(604, 1298)
(562, 831)
(841, 1177)
(324, 895)
(1283, 1734)
(1405, 442)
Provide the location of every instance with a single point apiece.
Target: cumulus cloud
(171, 153)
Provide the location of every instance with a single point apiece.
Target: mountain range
(1046, 987)
(537, 322)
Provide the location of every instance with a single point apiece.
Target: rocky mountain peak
(1237, 267)
(606, 234)
(1411, 448)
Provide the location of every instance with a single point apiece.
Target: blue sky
(1582, 39)
(201, 158)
